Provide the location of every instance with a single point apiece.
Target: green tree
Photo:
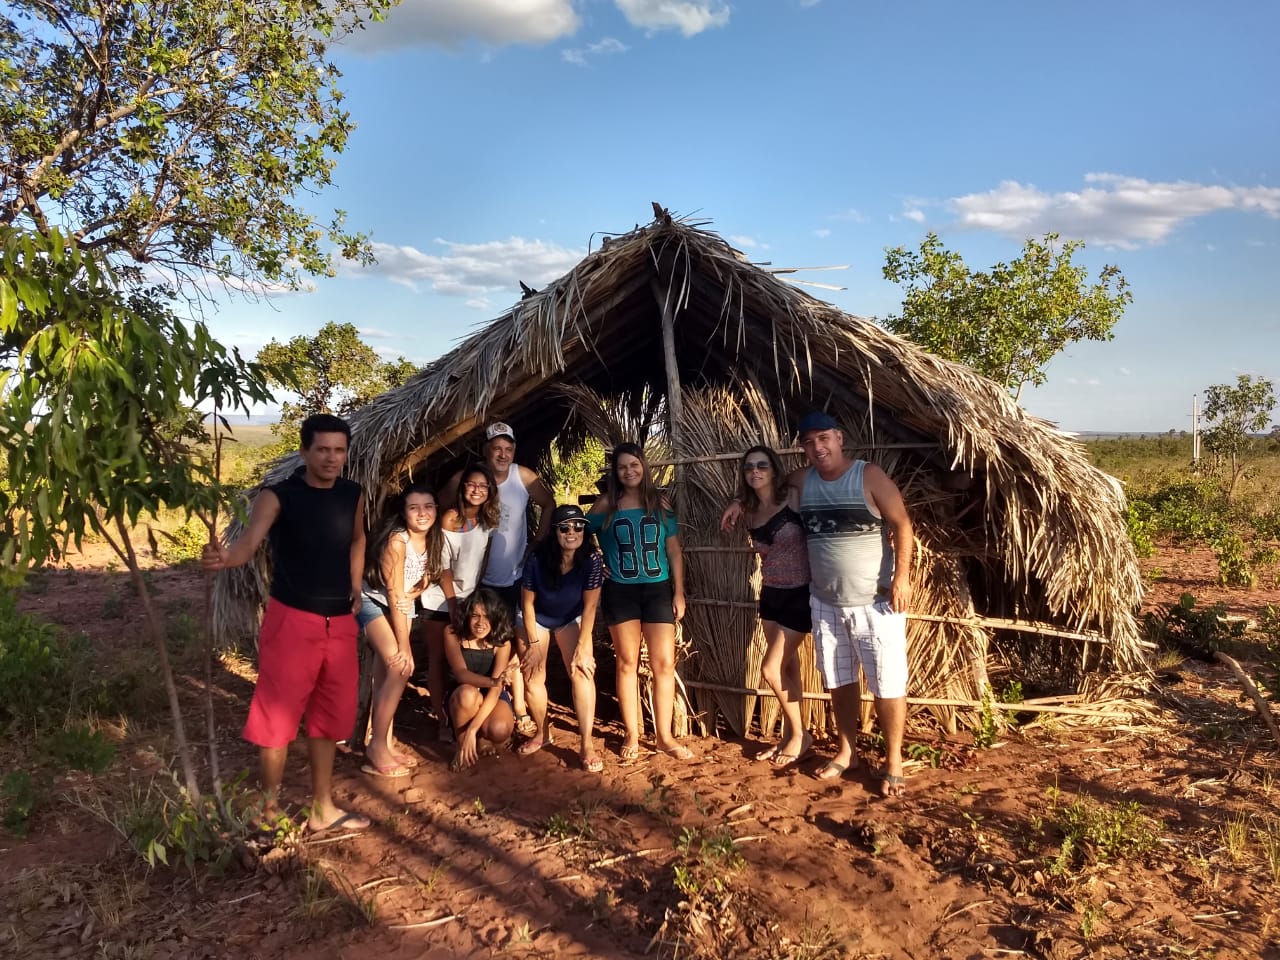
(102, 395)
(178, 134)
(1008, 322)
(333, 372)
(1236, 412)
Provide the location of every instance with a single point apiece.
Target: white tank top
(506, 554)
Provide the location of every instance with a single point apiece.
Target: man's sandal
(892, 786)
(831, 770)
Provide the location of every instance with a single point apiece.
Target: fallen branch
(1264, 711)
(610, 861)
(1025, 707)
(424, 924)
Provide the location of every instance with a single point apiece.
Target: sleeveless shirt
(311, 544)
(415, 564)
(512, 535)
(784, 557)
(849, 555)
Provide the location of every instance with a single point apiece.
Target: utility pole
(1195, 429)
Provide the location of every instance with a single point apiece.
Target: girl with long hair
(398, 567)
(460, 541)
(643, 597)
(771, 508)
(477, 646)
(559, 597)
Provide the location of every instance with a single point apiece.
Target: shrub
(37, 668)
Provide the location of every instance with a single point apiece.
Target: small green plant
(185, 544)
(1012, 692)
(81, 748)
(1268, 837)
(1235, 837)
(984, 734)
(1091, 915)
(657, 798)
(183, 633)
(558, 827)
(1099, 832)
(113, 606)
(478, 805)
(933, 756)
(603, 903)
(1196, 630)
(42, 670)
(19, 797)
(705, 861)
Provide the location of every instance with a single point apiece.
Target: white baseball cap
(499, 429)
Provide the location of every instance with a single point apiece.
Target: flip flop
(629, 751)
(349, 822)
(892, 786)
(831, 770)
(592, 764)
(783, 760)
(533, 745)
(768, 753)
(391, 771)
(678, 752)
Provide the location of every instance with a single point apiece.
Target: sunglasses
(577, 526)
(750, 465)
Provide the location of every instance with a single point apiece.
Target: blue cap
(818, 420)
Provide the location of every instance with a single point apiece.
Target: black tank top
(311, 544)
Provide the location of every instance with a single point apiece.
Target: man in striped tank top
(860, 541)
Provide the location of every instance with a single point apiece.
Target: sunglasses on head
(755, 465)
(576, 526)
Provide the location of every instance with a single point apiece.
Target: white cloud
(822, 233)
(1112, 210)
(1071, 380)
(1125, 371)
(601, 48)
(471, 270)
(809, 3)
(915, 216)
(451, 23)
(849, 216)
(688, 16)
(375, 333)
(1095, 382)
(478, 303)
(744, 242)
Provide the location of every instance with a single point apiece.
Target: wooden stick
(424, 924)
(995, 623)
(1264, 711)
(609, 861)
(720, 457)
(914, 701)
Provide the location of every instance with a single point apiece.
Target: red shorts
(307, 665)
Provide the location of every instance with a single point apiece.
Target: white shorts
(844, 637)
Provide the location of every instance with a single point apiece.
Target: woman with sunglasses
(398, 566)
(478, 647)
(777, 534)
(559, 597)
(643, 597)
(461, 542)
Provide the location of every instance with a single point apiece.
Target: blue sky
(494, 137)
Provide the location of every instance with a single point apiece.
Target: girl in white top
(462, 544)
(397, 569)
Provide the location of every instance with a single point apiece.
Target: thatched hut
(1023, 562)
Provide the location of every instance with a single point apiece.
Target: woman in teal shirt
(643, 596)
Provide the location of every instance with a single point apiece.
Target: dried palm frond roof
(1057, 520)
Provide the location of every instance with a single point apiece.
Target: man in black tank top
(307, 658)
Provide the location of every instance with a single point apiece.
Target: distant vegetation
(1173, 500)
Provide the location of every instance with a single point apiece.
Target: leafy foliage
(1095, 831)
(1197, 631)
(1234, 413)
(178, 135)
(332, 372)
(37, 669)
(1009, 321)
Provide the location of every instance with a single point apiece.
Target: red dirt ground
(533, 857)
